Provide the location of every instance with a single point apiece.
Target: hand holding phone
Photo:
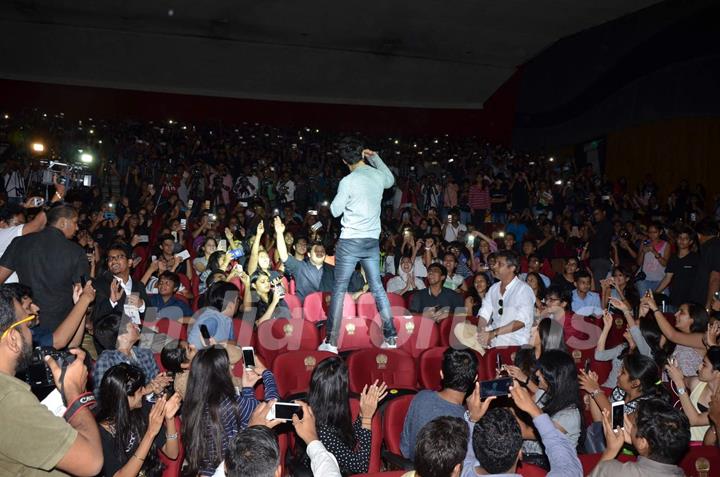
(285, 411)
(495, 387)
(618, 414)
(248, 353)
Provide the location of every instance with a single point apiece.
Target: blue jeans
(645, 285)
(348, 252)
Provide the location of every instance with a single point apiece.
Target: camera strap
(84, 400)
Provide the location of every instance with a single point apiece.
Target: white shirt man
(508, 308)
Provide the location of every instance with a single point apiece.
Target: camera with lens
(38, 374)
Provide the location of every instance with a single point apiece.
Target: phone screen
(496, 387)
(248, 357)
(618, 415)
(204, 332)
(286, 411)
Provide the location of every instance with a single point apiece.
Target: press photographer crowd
(246, 300)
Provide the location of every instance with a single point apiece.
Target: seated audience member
(643, 336)
(477, 293)
(459, 372)
(440, 448)
(329, 400)
(176, 358)
(405, 281)
(495, 446)
(584, 301)
(659, 433)
(638, 381)
(255, 452)
(263, 299)
(200, 263)
(691, 322)
(566, 279)
(69, 333)
(213, 411)
(617, 287)
(534, 266)
(695, 399)
(222, 302)
(558, 396)
(130, 427)
(539, 290)
(454, 281)
(547, 335)
(311, 275)
(259, 260)
(508, 310)
(33, 441)
(118, 336)
(437, 300)
(167, 285)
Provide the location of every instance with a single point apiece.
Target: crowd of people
(211, 225)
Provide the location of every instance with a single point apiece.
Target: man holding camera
(33, 441)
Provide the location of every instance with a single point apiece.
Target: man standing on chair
(358, 200)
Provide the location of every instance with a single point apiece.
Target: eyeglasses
(31, 320)
(500, 304)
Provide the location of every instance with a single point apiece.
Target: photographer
(34, 441)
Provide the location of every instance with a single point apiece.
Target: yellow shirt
(32, 439)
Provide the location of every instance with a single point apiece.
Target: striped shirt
(479, 198)
(234, 417)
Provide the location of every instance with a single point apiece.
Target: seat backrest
(415, 334)
(293, 369)
(712, 454)
(429, 367)
(488, 363)
(393, 366)
(397, 301)
(278, 336)
(313, 309)
(376, 440)
(393, 421)
(366, 306)
(354, 334)
(530, 470)
(294, 305)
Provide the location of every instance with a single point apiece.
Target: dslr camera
(38, 374)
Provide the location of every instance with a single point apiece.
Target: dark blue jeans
(348, 253)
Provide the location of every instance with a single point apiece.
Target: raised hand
(588, 382)
(259, 415)
(369, 398)
(260, 230)
(172, 406)
(157, 416)
(614, 438)
(476, 405)
(305, 427)
(522, 398)
(75, 378)
(116, 291)
(279, 226)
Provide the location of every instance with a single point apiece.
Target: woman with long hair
(643, 335)
(652, 259)
(130, 433)
(214, 412)
(547, 335)
(616, 286)
(476, 293)
(538, 287)
(639, 379)
(263, 298)
(259, 259)
(691, 323)
(695, 399)
(347, 440)
(558, 395)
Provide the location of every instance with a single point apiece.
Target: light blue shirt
(590, 305)
(359, 197)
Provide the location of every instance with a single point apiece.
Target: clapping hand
(116, 291)
(172, 406)
(157, 416)
(370, 397)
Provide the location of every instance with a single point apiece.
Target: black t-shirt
(709, 262)
(447, 298)
(113, 461)
(562, 282)
(50, 265)
(499, 193)
(683, 270)
(600, 242)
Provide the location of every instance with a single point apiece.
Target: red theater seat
(429, 367)
(393, 366)
(281, 335)
(292, 370)
(393, 421)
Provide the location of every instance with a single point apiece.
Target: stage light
(552, 159)
(170, 121)
(396, 141)
(38, 147)
(7, 116)
(86, 158)
(92, 131)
